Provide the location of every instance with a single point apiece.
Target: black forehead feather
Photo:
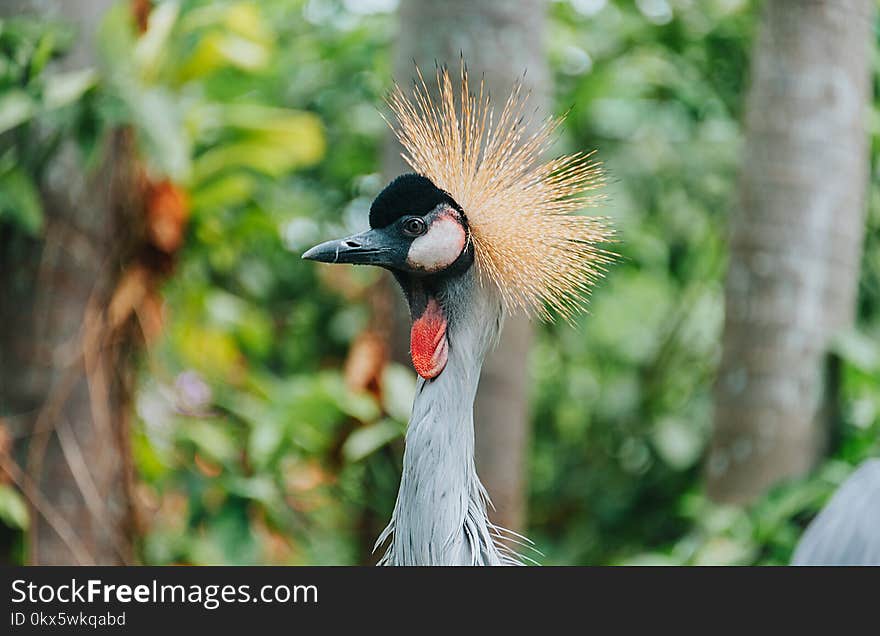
(407, 194)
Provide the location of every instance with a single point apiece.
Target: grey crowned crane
(847, 530)
(481, 228)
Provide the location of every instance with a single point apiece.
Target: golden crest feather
(528, 239)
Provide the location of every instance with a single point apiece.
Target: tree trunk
(501, 39)
(66, 369)
(795, 240)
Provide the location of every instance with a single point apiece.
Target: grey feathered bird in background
(847, 530)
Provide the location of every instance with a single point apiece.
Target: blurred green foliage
(627, 394)
(249, 431)
(250, 446)
(32, 104)
(623, 403)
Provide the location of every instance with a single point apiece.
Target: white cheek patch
(437, 248)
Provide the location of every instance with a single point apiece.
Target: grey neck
(440, 515)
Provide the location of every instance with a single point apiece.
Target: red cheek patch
(428, 344)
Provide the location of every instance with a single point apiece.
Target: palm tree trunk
(501, 39)
(795, 240)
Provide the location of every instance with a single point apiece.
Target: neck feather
(440, 515)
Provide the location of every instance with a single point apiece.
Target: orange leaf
(167, 214)
(141, 11)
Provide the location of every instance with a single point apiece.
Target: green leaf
(43, 53)
(219, 50)
(367, 440)
(62, 89)
(149, 48)
(857, 349)
(264, 441)
(273, 157)
(677, 442)
(150, 464)
(212, 439)
(16, 107)
(226, 192)
(20, 201)
(245, 19)
(398, 390)
(261, 489)
(357, 404)
(158, 116)
(13, 510)
(277, 141)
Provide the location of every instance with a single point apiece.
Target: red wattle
(428, 344)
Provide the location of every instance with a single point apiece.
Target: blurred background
(178, 387)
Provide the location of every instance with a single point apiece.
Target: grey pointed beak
(367, 248)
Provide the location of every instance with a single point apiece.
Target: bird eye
(414, 226)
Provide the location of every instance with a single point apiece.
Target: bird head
(415, 228)
(419, 233)
(482, 202)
